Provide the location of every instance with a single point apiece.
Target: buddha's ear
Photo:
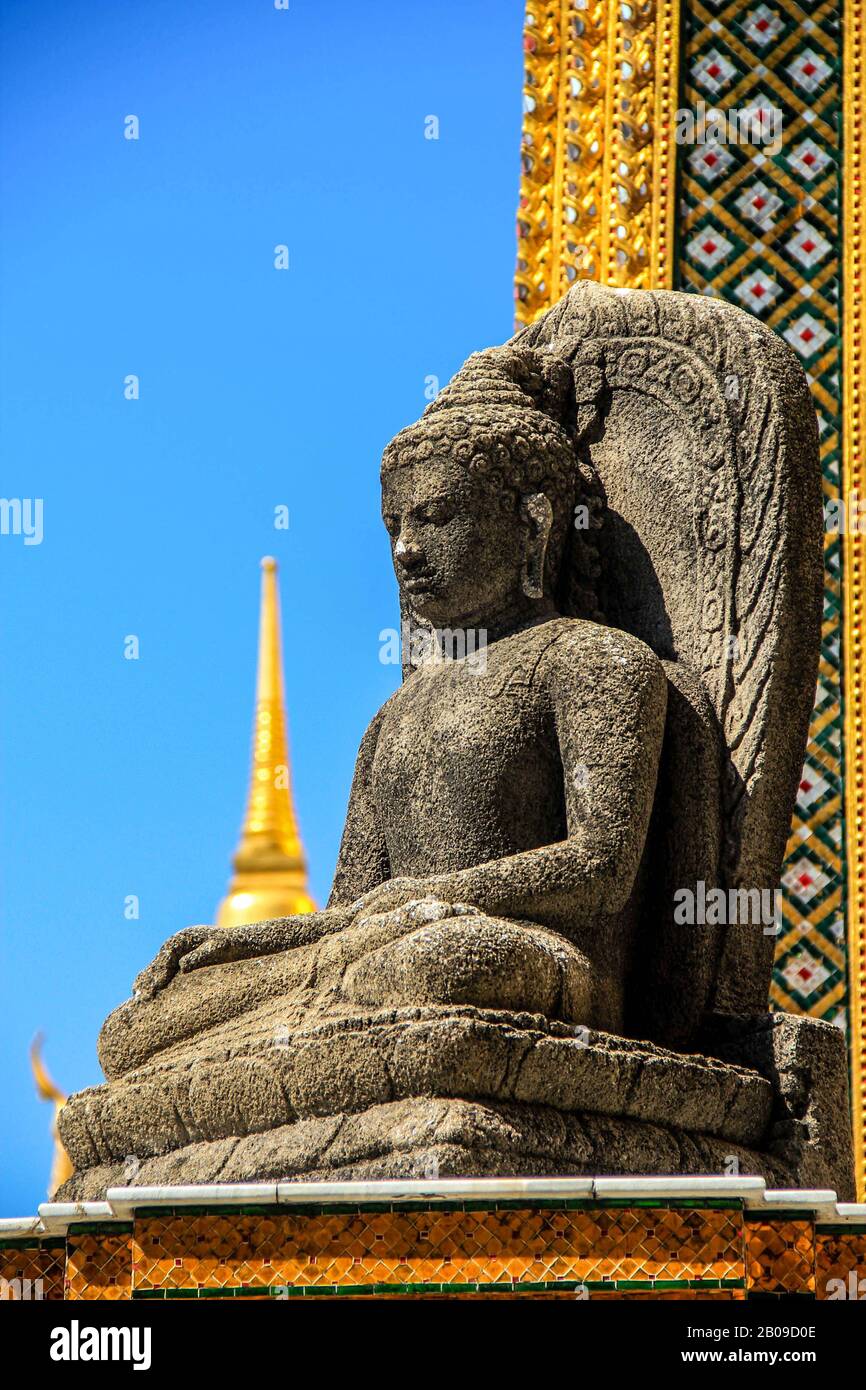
(536, 511)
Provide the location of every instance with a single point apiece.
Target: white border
(122, 1202)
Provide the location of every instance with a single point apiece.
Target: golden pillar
(598, 165)
(618, 187)
(270, 868)
(854, 551)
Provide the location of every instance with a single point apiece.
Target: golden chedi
(270, 868)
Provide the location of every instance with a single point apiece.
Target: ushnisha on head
(480, 496)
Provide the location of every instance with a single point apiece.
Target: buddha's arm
(608, 707)
(363, 859)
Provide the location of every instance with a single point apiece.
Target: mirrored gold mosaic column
(778, 230)
(854, 587)
(597, 187)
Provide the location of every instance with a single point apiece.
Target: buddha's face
(458, 543)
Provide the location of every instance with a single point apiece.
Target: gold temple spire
(270, 869)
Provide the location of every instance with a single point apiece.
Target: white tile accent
(11, 1227)
(821, 1201)
(677, 1187)
(437, 1189)
(854, 1212)
(56, 1217)
(127, 1199)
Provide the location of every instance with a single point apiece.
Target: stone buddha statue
(607, 538)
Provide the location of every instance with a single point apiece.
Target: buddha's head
(479, 496)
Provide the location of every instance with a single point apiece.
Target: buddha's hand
(426, 894)
(167, 961)
(195, 947)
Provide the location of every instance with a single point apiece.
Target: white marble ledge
(16, 1227)
(126, 1200)
(123, 1202)
(56, 1216)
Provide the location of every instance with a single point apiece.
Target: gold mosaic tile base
(32, 1271)
(436, 1247)
(99, 1266)
(780, 1256)
(840, 1255)
(565, 1250)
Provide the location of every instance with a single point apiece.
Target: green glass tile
(762, 1297)
(102, 1228)
(776, 1217)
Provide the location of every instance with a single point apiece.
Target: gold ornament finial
(270, 869)
(61, 1167)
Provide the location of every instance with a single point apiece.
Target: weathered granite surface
(538, 1100)
(607, 536)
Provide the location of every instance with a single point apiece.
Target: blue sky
(258, 388)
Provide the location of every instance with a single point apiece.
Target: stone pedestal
(466, 1092)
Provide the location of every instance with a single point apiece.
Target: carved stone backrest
(708, 454)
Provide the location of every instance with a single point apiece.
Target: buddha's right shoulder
(373, 729)
(593, 648)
